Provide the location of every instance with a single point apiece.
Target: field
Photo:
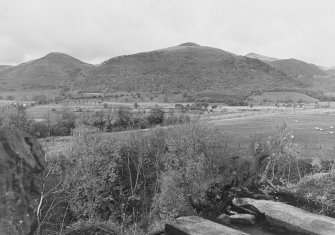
(242, 124)
(315, 143)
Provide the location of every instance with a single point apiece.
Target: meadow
(312, 129)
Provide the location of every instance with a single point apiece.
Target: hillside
(4, 67)
(51, 71)
(187, 67)
(298, 70)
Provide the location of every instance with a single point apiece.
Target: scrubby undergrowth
(133, 185)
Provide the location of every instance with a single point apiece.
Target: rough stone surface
(21, 166)
(292, 218)
(194, 225)
(223, 219)
(243, 219)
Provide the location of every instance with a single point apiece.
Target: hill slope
(4, 67)
(298, 70)
(50, 71)
(185, 67)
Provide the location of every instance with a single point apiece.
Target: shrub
(16, 117)
(156, 116)
(40, 99)
(283, 165)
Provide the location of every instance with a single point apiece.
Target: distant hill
(4, 67)
(191, 69)
(51, 71)
(186, 67)
(301, 71)
(298, 70)
(260, 57)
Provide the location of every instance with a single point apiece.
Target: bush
(156, 116)
(283, 165)
(16, 117)
(139, 180)
(40, 99)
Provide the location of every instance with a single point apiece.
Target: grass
(315, 193)
(242, 130)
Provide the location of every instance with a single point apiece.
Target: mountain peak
(56, 54)
(189, 44)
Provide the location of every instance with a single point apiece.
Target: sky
(96, 30)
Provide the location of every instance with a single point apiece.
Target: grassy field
(241, 130)
(314, 143)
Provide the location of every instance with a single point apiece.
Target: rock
(243, 219)
(292, 218)
(223, 219)
(194, 225)
(21, 166)
(157, 232)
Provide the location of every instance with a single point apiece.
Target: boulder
(291, 218)
(246, 219)
(194, 225)
(22, 163)
(223, 219)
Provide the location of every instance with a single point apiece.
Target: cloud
(96, 30)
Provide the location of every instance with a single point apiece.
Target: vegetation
(136, 183)
(61, 123)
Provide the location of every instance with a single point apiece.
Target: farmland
(314, 142)
(242, 125)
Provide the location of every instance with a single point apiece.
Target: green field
(314, 143)
(241, 130)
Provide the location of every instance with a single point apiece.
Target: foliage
(16, 117)
(40, 99)
(156, 116)
(283, 164)
(317, 191)
(193, 160)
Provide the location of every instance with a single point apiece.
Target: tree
(156, 116)
(40, 99)
(16, 117)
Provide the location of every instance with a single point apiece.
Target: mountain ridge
(187, 67)
(50, 71)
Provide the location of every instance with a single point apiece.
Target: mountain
(301, 71)
(298, 70)
(187, 67)
(51, 71)
(4, 67)
(260, 57)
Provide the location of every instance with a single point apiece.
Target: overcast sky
(95, 30)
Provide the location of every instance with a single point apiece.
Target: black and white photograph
(167, 117)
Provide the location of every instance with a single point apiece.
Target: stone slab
(194, 225)
(292, 218)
